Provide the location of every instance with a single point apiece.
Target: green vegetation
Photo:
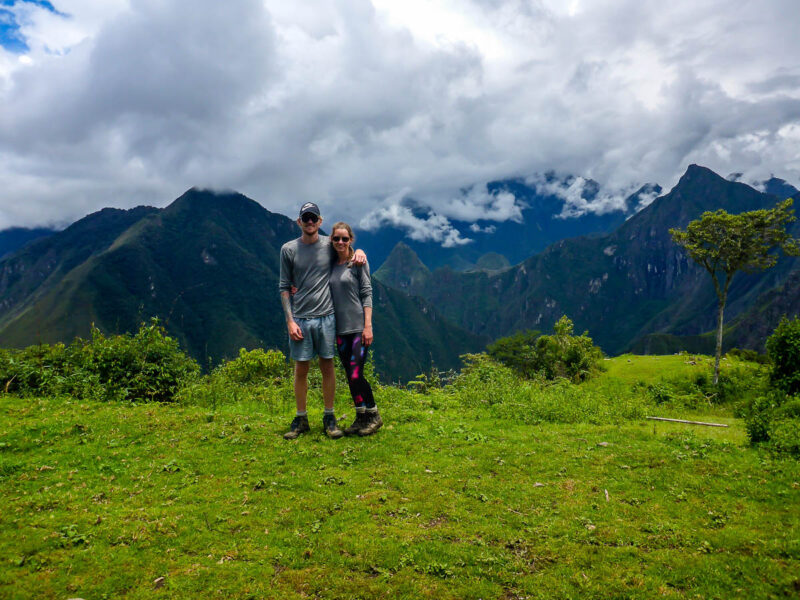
(783, 349)
(561, 355)
(147, 366)
(724, 244)
(774, 416)
(490, 486)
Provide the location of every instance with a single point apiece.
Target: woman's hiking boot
(374, 422)
(331, 428)
(358, 424)
(298, 427)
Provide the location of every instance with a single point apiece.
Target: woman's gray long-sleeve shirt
(351, 289)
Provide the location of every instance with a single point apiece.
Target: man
(306, 265)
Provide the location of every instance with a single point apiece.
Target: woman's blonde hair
(346, 227)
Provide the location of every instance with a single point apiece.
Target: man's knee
(301, 368)
(326, 366)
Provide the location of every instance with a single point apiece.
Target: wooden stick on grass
(687, 422)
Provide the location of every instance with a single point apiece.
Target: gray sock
(361, 409)
(328, 411)
(372, 409)
(302, 413)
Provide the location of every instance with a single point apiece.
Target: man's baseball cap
(309, 207)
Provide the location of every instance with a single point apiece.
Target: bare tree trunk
(719, 338)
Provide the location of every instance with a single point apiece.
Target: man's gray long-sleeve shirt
(308, 268)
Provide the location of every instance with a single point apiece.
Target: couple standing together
(326, 295)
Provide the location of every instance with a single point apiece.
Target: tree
(725, 244)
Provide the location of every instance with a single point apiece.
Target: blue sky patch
(11, 37)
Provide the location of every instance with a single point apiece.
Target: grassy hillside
(474, 491)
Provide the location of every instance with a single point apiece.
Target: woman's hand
(366, 337)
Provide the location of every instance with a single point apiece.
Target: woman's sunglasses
(309, 218)
(337, 238)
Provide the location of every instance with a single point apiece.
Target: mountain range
(632, 288)
(207, 266)
(541, 221)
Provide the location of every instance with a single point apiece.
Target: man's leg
(300, 423)
(301, 384)
(328, 370)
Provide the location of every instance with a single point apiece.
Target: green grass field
(107, 500)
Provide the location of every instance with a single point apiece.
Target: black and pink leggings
(353, 354)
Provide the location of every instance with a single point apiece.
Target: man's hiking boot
(373, 423)
(331, 428)
(358, 424)
(298, 427)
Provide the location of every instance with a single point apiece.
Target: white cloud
(645, 199)
(398, 212)
(479, 204)
(478, 229)
(580, 195)
(343, 101)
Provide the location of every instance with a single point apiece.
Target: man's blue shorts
(319, 338)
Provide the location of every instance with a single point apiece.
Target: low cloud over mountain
(126, 102)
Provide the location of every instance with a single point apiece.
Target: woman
(352, 300)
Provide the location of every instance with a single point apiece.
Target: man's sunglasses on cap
(309, 218)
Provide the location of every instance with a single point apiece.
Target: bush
(785, 437)
(516, 351)
(775, 418)
(559, 355)
(783, 348)
(256, 366)
(146, 366)
(484, 382)
(748, 355)
(758, 418)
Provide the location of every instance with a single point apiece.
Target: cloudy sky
(359, 105)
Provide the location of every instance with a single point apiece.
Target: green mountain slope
(622, 286)
(207, 265)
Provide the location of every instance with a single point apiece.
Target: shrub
(758, 418)
(559, 355)
(484, 381)
(516, 351)
(736, 383)
(775, 418)
(748, 355)
(146, 366)
(255, 366)
(660, 392)
(34, 368)
(785, 437)
(783, 348)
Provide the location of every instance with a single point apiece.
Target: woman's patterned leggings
(353, 354)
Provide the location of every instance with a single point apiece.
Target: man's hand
(294, 331)
(359, 258)
(366, 337)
